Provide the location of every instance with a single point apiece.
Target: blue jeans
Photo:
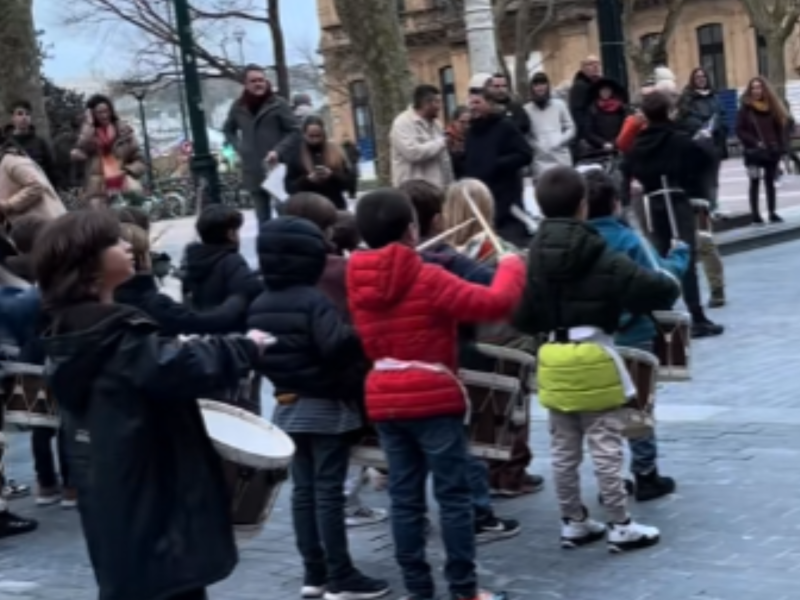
(479, 482)
(413, 449)
(644, 451)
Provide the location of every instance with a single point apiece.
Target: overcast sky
(90, 53)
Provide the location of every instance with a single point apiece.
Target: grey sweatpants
(603, 434)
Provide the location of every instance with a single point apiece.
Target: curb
(764, 239)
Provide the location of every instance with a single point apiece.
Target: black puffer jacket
(317, 353)
(173, 317)
(575, 280)
(214, 273)
(154, 505)
(604, 118)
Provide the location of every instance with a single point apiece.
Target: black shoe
(775, 218)
(358, 587)
(630, 489)
(11, 524)
(706, 328)
(757, 220)
(652, 486)
(490, 529)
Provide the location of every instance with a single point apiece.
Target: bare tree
(645, 58)
(214, 22)
(20, 75)
(375, 35)
(776, 21)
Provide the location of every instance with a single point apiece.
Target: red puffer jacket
(406, 313)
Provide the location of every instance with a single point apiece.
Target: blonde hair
(139, 240)
(456, 209)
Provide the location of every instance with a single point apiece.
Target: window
(711, 50)
(447, 82)
(761, 54)
(362, 113)
(648, 41)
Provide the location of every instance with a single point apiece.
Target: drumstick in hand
(443, 236)
(498, 245)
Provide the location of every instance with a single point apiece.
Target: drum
(28, 402)
(672, 345)
(255, 459)
(638, 420)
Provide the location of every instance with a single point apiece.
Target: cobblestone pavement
(730, 438)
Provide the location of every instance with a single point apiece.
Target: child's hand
(262, 340)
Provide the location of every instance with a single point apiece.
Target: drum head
(637, 355)
(244, 438)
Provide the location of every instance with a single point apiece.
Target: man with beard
(663, 155)
(579, 96)
(499, 88)
(495, 152)
(262, 129)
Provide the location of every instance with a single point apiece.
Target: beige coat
(419, 151)
(126, 150)
(25, 190)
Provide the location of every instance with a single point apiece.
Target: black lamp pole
(140, 96)
(612, 40)
(202, 164)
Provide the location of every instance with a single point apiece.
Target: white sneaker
(379, 481)
(631, 536)
(364, 515)
(312, 592)
(575, 534)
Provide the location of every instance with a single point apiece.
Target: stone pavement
(730, 438)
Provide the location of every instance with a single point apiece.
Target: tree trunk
(279, 48)
(20, 75)
(776, 62)
(522, 50)
(376, 38)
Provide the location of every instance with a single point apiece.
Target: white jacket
(552, 130)
(419, 151)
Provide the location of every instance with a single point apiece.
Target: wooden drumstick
(498, 245)
(443, 236)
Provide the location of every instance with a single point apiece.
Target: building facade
(715, 34)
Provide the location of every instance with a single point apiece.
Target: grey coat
(274, 128)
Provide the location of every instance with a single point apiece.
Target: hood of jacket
(620, 93)
(291, 251)
(80, 341)
(565, 249)
(201, 259)
(380, 279)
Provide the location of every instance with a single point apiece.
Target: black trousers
(662, 235)
(43, 459)
(199, 594)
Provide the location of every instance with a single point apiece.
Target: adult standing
(24, 134)
(456, 135)
(110, 152)
(700, 112)
(262, 129)
(513, 109)
(552, 128)
(608, 109)
(761, 129)
(495, 152)
(419, 146)
(318, 165)
(579, 97)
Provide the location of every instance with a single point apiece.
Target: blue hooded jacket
(638, 330)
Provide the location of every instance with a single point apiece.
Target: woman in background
(456, 134)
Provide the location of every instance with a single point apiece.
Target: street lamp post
(202, 164)
(239, 35)
(140, 95)
(179, 81)
(612, 40)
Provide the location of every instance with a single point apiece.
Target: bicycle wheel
(173, 205)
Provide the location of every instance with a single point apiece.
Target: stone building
(716, 34)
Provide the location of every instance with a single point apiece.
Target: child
(321, 211)
(214, 269)
(173, 318)
(345, 236)
(635, 331)
(577, 290)
(154, 505)
(406, 313)
(317, 368)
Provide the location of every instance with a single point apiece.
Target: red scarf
(609, 104)
(105, 138)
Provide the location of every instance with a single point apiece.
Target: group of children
(364, 336)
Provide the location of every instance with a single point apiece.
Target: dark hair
(68, 255)
(559, 192)
(25, 231)
(97, 99)
(312, 207)
(23, 104)
(314, 120)
(345, 232)
(486, 94)
(216, 222)
(427, 200)
(601, 194)
(460, 110)
(656, 107)
(499, 76)
(250, 68)
(383, 217)
(134, 215)
(423, 93)
(694, 73)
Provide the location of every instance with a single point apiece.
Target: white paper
(274, 182)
